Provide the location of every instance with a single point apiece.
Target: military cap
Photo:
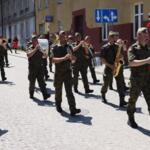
(61, 32)
(33, 36)
(142, 30)
(77, 34)
(113, 33)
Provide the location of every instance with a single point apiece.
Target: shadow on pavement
(50, 80)
(112, 105)
(78, 118)
(10, 66)
(138, 109)
(89, 95)
(144, 131)
(95, 83)
(7, 82)
(2, 132)
(37, 90)
(44, 102)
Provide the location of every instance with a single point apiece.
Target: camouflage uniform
(140, 77)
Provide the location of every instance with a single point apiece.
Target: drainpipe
(1, 3)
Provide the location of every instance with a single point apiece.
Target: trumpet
(73, 58)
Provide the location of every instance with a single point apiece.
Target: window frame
(105, 31)
(140, 15)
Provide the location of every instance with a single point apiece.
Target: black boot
(123, 103)
(58, 108)
(131, 122)
(110, 87)
(31, 94)
(96, 81)
(126, 88)
(4, 79)
(46, 96)
(75, 111)
(76, 90)
(104, 98)
(88, 91)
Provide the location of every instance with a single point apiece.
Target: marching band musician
(108, 54)
(36, 71)
(53, 40)
(139, 62)
(81, 53)
(45, 56)
(63, 74)
(90, 59)
(2, 54)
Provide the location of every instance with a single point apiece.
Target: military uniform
(63, 74)
(49, 54)
(46, 76)
(139, 79)
(36, 71)
(80, 66)
(109, 52)
(2, 53)
(91, 64)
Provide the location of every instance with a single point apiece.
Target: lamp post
(2, 21)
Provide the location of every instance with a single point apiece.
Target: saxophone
(118, 62)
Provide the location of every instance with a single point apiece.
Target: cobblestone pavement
(35, 125)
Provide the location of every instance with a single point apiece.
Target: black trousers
(107, 77)
(66, 79)
(6, 58)
(45, 68)
(50, 64)
(83, 70)
(36, 73)
(2, 72)
(92, 69)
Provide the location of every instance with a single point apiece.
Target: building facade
(18, 19)
(79, 16)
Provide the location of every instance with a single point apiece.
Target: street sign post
(48, 18)
(106, 15)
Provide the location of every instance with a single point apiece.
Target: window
(105, 31)
(27, 29)
(39, 4)
(27, 4)
(138, 18)
(42, 28)
(15, 30)
(46, 3)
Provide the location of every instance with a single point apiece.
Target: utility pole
(2, 20)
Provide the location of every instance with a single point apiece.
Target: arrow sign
(106, 15)
(113, 15)
(98, 15)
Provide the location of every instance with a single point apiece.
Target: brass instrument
(88, 48)
(44, 46)
(118, 62)
(55, 40)
(73, 58)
